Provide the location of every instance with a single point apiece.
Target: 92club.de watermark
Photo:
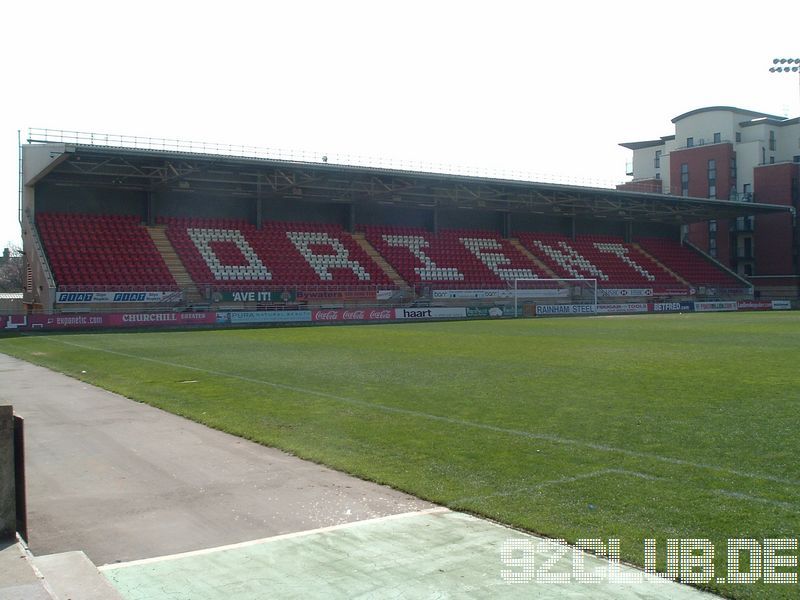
(690, 560)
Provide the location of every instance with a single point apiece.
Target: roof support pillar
(150, 209)
(259, 204)
(506, 225)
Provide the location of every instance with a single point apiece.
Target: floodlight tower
(792, 65)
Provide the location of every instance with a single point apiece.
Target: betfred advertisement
(340, 315)
(430, 313)
(672, 307)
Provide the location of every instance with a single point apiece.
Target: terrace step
(660, 264)
(362, 241)
(19, 578)
(532, 257)
(73, 575)
(176, 267)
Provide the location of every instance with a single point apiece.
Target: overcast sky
(545, 87)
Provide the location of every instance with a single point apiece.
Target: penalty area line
(546, 437)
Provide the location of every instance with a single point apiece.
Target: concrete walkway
(121, 480)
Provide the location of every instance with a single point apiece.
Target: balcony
(744, 224)
(700, 142)
(741, 196)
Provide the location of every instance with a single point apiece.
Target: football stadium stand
(454, 258)
(93, 251)
(102, 251)
(688, 263)
(606, 258)
(228, 254)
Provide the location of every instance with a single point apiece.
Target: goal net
(534, 297)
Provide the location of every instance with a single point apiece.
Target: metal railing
(40, 135)
(34, 233)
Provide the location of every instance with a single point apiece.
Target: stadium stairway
(175, 265)
(532, 257)
(53, 577)
(362, 241)
(661, 265)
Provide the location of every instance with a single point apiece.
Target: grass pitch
(669, 426)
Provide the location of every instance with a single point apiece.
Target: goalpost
(570, 296)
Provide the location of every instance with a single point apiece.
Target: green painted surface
(435, 555)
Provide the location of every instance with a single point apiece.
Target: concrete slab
(122, 480)
(438, 554)
(18, 578)
(72, 575)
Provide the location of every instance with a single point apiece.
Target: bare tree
(12, 269)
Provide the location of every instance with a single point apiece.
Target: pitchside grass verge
(672, 426)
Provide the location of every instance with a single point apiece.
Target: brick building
(728, 153)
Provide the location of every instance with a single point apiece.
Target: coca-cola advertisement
(343, 315)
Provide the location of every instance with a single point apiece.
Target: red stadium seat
(101, 250)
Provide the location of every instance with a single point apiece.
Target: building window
(796, 158)
(763, 155)
(717, 138)
(685, 179)
(712, 243)
(712, 226)
(658, 175)
(733, 171)
(657, 160)
(689, 142)
(772, 160)
(772, 141)
(712, 178)
(748, 270)
(747, 194)
(738, 136)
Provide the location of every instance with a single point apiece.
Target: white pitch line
(560, 481)
(274, 538)
(450, 420)
(603, 472)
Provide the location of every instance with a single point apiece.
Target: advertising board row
(103, 320)
(178, 319)
(557, 292)
(661, 307)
